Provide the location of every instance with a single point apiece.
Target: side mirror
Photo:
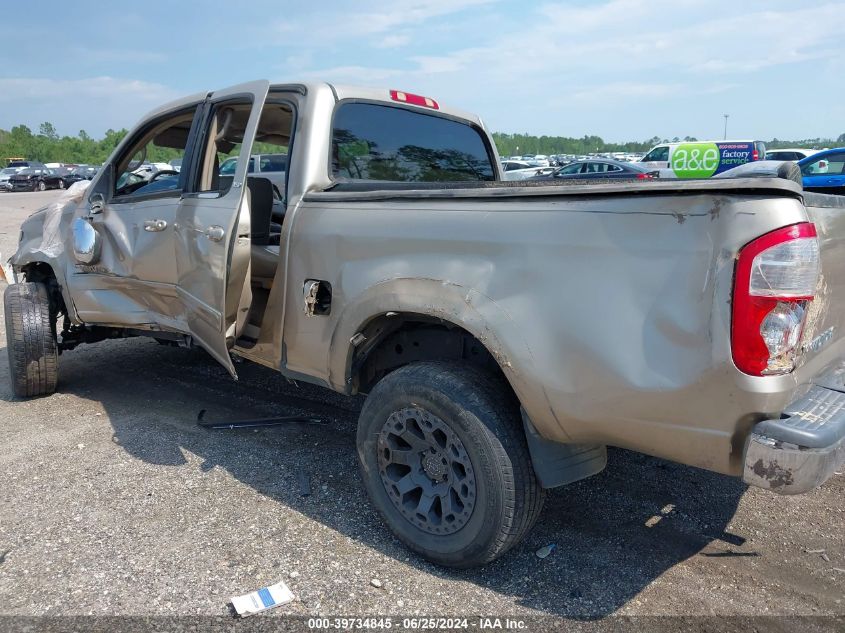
(86, 242)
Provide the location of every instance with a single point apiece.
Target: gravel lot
(115, 502)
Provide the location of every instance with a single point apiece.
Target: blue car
(825, 171)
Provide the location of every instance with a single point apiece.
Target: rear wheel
(41, 185)
(30, 340)
(61, 184)
(444, 459)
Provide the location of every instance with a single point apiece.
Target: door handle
(215, 233)
(154, 226)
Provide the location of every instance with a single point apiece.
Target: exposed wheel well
(395, 340)
(40, 272)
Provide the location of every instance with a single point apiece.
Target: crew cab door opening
(213, 230)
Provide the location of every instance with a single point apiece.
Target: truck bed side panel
(610, 316)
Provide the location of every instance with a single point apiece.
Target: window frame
(202, 136)
(646, 158)
(199, 115)
(485, 139)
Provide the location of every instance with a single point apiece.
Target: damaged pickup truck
(505, 333)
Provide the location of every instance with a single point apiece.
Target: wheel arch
(43, 272)
(394, 306)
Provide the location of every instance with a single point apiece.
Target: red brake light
(774, 283)
(755, 155)
(417, 100)
(645, 176)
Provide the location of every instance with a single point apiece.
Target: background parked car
(793, 154)
(36, 179)
(520, 170)
(83, 172)
(824, 171)
(270, 166)
(600, 169)
(702, 159)
(5, 174)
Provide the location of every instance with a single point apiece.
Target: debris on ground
(255, 422)
(263, 599)
(375, 582)
(543, 552)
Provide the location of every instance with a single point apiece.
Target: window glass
(144, 168)
(273, 162)
(223, 145)
(375, 142)
(227, 167)
(831, 164)
(658, 154)
(223, 136)
(570, 169)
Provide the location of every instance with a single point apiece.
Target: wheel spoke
(406, 484)
(406, 458)
(416, 442)
(426, 501)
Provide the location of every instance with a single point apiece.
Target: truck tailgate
(826, 320)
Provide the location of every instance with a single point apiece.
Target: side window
(612, 167)
(144, 168)
(571, 169)
(221, 148)
(820, 166)
(658, 154)
(222, 145)
(273, 162)
(388, 143)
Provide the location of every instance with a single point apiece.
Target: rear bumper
(803, 449)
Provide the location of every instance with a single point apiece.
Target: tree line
(47, 146)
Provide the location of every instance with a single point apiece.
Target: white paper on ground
(263, 599)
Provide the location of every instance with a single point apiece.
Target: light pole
(726, 126)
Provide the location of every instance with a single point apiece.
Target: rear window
(375, 142)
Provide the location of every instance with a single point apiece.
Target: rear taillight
(755, 155)
(644, 176)
(775, 281)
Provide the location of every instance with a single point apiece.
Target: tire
(42, 186)
(492, 496)
(30, 340)
(61, 184)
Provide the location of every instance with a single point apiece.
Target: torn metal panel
(52, 239)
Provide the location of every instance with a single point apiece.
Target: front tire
(30, 340)
(443, 456)
(61, 184)
(42, 186)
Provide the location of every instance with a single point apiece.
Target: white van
(702, 159)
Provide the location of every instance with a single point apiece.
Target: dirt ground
(115, 502)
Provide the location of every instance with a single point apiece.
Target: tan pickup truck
(505, 333)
